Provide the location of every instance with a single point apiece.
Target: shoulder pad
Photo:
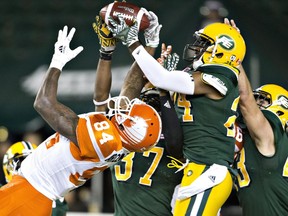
(215, 82)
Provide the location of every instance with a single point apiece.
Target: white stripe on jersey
(92, 137)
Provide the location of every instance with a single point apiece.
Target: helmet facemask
(14, 156)
(263, 99)
(195, 50)
(119, 107)
(151, 97)
(13, 164)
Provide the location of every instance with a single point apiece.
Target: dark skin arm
(135, 80)
(102, 83)
(60, 117)
(132, 86)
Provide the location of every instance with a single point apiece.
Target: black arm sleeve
(171, 128)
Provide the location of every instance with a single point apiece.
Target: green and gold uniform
(262, 181)
(140, 178)
(208, 124)
(208, 130)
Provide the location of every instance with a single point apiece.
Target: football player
(206, 100)
(262, 180)
(82, 146)
(145, 174)
(12, 160)
(262, 163)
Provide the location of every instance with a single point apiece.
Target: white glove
(127, 35)
(62, 52)
(152, 33)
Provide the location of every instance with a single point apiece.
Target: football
(130, 12)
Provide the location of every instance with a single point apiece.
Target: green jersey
(143, 184)
(262, 181)
(60, 209)
(208, 124)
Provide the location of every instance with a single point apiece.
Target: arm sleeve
(176, 81)
(171, 128)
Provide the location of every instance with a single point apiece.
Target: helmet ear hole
(219, 55)
(121, 127)
(279, 113)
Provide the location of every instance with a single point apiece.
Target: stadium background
(29, 29)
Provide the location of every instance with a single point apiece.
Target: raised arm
(176, 81)
(258, 126)
(103, 72)
(60, 117)
(135, 79)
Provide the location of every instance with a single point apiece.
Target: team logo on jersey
(283, 101)
(226, 42)
(212, 178)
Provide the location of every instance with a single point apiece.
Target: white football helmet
(138, 124)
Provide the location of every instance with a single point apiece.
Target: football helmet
(138, 124)
(216, 43)
(14, 157)
(276, 100)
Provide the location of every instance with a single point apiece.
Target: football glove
(167, 60)
(127, 35)
(151, 34)
(106, 39)
(62, 52)
(171, 62)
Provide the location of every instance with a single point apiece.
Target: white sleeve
(176, 81)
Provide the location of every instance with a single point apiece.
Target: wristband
(100, 103)
(105, 55)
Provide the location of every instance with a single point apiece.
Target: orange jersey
(58, 166)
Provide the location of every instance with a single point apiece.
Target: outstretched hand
(167, 60)
(152, 33)
(106, 39)
(62, 52)
(128, 35)
(231, 23)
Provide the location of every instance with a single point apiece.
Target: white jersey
(58, 166)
